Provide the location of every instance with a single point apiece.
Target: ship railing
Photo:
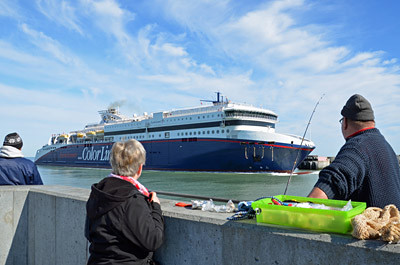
(297, 137)
(201, 110)
(89, 141)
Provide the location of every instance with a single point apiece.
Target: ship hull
(188, 154)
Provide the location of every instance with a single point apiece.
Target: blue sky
(62, 61)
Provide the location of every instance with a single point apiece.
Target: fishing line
(301, 144)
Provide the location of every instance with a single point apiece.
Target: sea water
(238, 186)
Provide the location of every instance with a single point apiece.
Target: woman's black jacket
(122, 226)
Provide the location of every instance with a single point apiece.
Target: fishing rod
(301, 144)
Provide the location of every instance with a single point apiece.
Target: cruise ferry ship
(218, 136)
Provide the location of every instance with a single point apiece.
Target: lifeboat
(63, 137)
(80, 135)
(91, 133)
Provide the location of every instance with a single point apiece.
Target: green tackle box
(321, 220)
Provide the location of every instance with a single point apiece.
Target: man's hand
(317, 193)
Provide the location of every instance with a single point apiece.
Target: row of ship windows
(177, 119)
(167, 135)
(202, 132)
(190, 118)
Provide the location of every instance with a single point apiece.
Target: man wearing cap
(366, 168)
(14, 168)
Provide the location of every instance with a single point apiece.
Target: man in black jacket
(124, 221)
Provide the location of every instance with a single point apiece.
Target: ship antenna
(301, 144)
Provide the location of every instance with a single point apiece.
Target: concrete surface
(45, 225)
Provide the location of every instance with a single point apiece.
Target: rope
(241, 215)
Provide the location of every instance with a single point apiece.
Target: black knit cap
(14, 140)
(357, 108)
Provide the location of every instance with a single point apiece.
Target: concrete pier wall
(45, 225)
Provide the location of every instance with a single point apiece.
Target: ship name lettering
(92, 154)
(105, 155)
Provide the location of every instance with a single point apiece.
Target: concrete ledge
(45, 225)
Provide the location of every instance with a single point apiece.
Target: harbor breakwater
(315, 162)
(45, 225)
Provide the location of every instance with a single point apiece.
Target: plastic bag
(228, 208)
(348, 206)
(211, 207)
(197, 204)
(208, 206)
(316, 206)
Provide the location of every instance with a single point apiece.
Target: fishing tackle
(301, 144)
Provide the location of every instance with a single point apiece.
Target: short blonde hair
(126, 157)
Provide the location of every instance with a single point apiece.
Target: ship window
(204, 117)
(178, 134)
(227, 130)
(199, 132)
(159, 135)
(204, 132)
(217, 131)
(190, 133)
(186, 133)
(198, 117)
(252, 114)
(212, 131)
(190, 118)
(208, 132)
(194, 133)
(222, 131)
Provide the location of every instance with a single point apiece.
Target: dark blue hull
(188, 154)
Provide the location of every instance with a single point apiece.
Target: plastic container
(315, 219)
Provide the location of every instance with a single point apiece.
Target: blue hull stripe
(188, 154)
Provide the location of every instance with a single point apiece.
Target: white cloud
(9, 9)
(110, 18)
(47, 44)
(60, 12)
(171, 49)
(167, 79)
(391, 61)
(38, 114)
(10, 53)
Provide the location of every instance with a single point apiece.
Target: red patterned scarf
(136, 183)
